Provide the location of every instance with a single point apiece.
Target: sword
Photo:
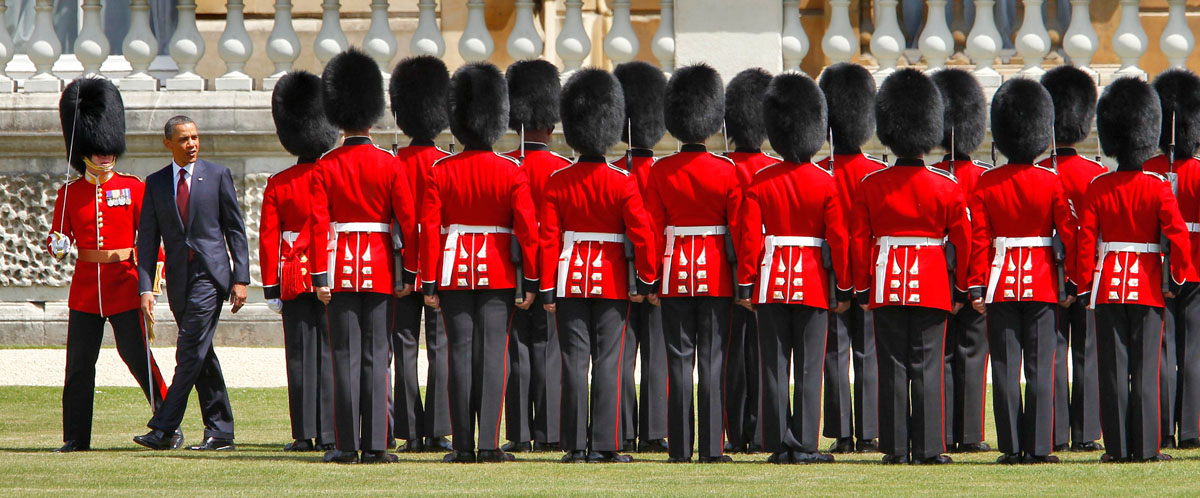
(1174, 180)
(516, 248)
(1060, 258)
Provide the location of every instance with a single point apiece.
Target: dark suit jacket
(214, 224)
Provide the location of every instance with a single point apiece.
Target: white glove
(59, 245)
(275, 305)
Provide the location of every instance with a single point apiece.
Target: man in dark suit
(191, 208)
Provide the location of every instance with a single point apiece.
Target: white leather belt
(770, 242)
(452, 233)
(1107, 247)
(886, 243)
(1002, 245)
(1193, 227)
(673, 231)
(362, 227)
(569, 239)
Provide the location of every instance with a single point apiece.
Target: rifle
(1060, 258)
(1165, 244)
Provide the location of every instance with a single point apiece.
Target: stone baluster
(1080, 41)
(44, 50)
(1177, 39)
(476, 43)
(524, 42)
(621, 43)
(794, 41)
(139, 48)
(1033, 41)
(283, 45)
(234, 48)
(427, 39)
(92, 47)
(887, 43)
(573, 44)
(839, 41)
(1129, 42)
(663, 43)
(186, 47)
(7, 84)
(379, 42)
(936, 43)
(983, 44)
(331, 40)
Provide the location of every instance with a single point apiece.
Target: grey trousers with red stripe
(359, 340)
(477, 323)
(788, 331)
(309, 369)
(910, 341)
(696, 329)
(1023, 331)
(966, 376)
(1129, 346)
(592, 330)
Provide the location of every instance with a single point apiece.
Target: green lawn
(30, 430)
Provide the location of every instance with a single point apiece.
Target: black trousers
(413, 419)
(910, 340)
(1023, 331)
(696, 329)
(1078, 325)
(839, 417)
(742, 401)
(645, 326)
(592, 329)
(531, 407)
(965, 376)
(196, 364)
(309, 368)
(358, 335)
(85, 331)
(477, 323)
(1129, 343)
(866, 370)
(1180, 375)
(784, 331)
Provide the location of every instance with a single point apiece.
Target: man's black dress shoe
(177, 439)
(754, 448)
(72, 446)
(155, 440)
(495, 456)
(867, 446)
(933, 460)
(1033, 459)
(378, 457)
(653, 446)
(715, 459)
(326, 446)
(213, 444)
(973, 448)
(679, 460)
(339, 456)
(1058, 448)
(780, 457)
(412, 446)
(439, 443)
(577, 456)
(894, 459)
(300, 445)
(608, 457)
(459, 457)
(1090, 446)
(842, 445)
(517, 447)
(802, 457)
(539, 447)
(1161, 457)
(1189, 444)
(1009, 459)
(1109, 458)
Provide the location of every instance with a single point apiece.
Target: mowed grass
(30, 428)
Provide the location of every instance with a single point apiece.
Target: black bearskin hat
(849, 95)
(1128, 119)
(93, 114)
(1074, 96)
(593, 110)
(794, 114)
(419, 90)
(1022, 120)
(908, 113)
(478, 105)
(353, 90)
(695, 103)
(1179, 93)
(644, 86)
(743, 107)
(299, 116)
(533, 93)
(965, 116)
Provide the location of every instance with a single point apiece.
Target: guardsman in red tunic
(903, 217)
(1018, 269)
(535, 385)
(475, 203)
(419, 88)
(1179, 94)
(1074, 96)
(99, 213)
(963, 128)
(591, 210)
(283, 253)
(744, 126)
(794, 249)
(1119, 269)
(645, 399)
(850, 98)
(693, 197)
(358, 190)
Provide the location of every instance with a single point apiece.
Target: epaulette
(945, 174)
(759, 172)
(728, 160)
(1090, 160)
(1156, 175)
(567, 167)
(983, 165)
(1093, 180)
(129, 175)
(823, 170)
(440, 159)
(876, 159)
(514, 161)
(868, 175)
(389, 151)
(773, 156)
(1051, 170)
(560, 156)
(614, 168)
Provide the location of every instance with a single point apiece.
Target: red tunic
(1188, 197)
(789, 200)
(640, 162)
(909, 200)
(101, 217)
(284, 235)
(695, 195)
(418, 159)
(751, 161)
(1131, 207)
(966, 172)
(1019, 201)
(475, 202)
(540, 162)
(848, 172)
(362, 184)
(586, 203)
(1076, 172)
